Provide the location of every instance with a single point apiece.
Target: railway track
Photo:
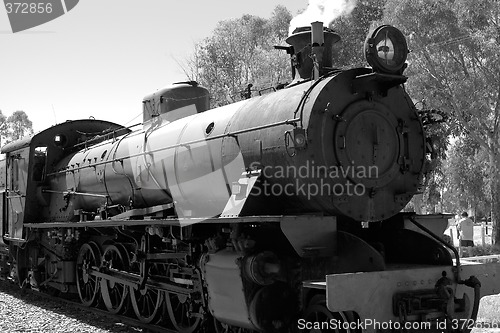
(488, 314)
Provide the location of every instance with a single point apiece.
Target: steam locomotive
(278, 213)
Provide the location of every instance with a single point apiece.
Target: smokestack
(313, 49)
(317, 44)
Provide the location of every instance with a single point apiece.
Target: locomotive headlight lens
(386, 50)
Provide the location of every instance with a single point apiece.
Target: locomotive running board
(157, 222)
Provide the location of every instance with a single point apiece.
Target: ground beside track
(489, 314)
(22, 311)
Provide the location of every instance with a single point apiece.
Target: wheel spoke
(115, 294)
(87, 285)
(184, 315)
(146, 304)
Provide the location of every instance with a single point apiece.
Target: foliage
(3, 124)
(240, 52)
(19, 125)
(466, 176)
(353, 29)
(454, 67)
(483, 250)
(14, 127)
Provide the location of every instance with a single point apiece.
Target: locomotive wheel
(88, 285)
(146, 303)
(317, 312)
(115, 294)
(184, 314)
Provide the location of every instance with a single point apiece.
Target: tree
(240, 52)
(19, 125)
(466, 169)
(3, 125)
(279, 22)
(353, 30)
(454, 66)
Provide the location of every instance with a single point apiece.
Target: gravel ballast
(22, 311)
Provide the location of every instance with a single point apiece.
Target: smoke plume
(322, 10)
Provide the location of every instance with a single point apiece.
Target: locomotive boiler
(277, 213)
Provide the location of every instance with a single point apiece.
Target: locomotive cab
(17, 204)
(3, 196)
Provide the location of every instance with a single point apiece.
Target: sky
(102, 57)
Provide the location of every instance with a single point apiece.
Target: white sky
(101, 58)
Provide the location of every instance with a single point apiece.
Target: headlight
(386, 50)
